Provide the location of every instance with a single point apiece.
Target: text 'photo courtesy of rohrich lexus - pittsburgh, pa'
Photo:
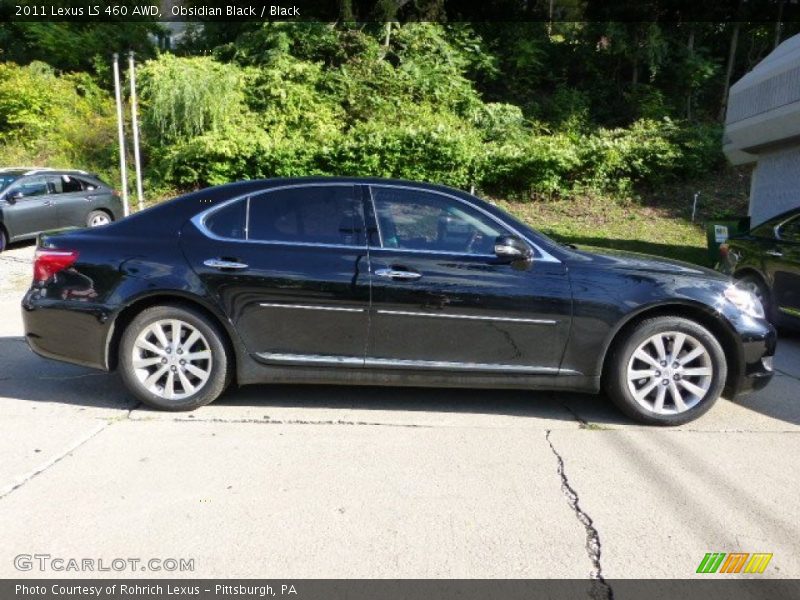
(384, 282)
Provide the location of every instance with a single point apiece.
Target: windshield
(6, 180)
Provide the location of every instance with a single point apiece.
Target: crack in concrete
(782, 372)
(601, 590)
(53, 461)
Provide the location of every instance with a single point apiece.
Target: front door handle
(220, 263)
(395, 274)
(777, 253)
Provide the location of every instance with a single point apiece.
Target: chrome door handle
(394, 274)
(218, 263)
(777, 253)
(48, 203)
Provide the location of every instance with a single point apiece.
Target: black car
(766, 261)
(33, 200)
(371, 281)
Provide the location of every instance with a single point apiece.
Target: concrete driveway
(337, 482)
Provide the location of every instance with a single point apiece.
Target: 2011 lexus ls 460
(372, 281)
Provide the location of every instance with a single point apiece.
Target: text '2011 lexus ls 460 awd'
(372, 281)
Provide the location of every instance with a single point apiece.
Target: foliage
(54, 120)
(185, 97)
(524, 109)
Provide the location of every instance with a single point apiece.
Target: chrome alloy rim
(172, 359)
(99, 220)
(670, 373)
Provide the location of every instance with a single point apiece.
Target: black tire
(616, 374)
(3, 239)
(755, 284)
(98, 214)
(221, 371)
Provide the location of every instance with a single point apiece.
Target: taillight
(47, 263)
(724, 250)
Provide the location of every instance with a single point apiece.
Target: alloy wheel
(98, 220)
(670, 373)
(172, 359)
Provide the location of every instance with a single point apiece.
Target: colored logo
(735, 562)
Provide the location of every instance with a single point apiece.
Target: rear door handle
(220, 263)
(395, 274)
(777, 253)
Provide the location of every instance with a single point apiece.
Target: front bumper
(758, 342)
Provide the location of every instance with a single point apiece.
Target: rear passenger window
(322, 214)
(229, 221)
(70, 184)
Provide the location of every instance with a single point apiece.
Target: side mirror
(14, 196)
(512, 248)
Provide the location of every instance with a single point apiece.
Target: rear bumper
(63, 331)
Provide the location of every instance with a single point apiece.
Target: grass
(657, 222)
(611, 224)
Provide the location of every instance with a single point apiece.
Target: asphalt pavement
(344, 482)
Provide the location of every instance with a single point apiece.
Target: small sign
(720, 233)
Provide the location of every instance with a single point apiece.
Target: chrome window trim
(781, 225)
(422, 364)
(312, 307)
(541, 255)
(199, 220)
(409, 313)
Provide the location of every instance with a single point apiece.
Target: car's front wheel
(666, 371)
(174, 358)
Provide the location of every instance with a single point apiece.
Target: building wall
(775, 187)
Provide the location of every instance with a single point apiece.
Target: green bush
(539, 164)
(442, 153)
(57, 121)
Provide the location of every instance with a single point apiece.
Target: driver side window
(33, 186)
(419, 220)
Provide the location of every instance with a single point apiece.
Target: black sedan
(766, 261)
(371, 281)
(33, 200)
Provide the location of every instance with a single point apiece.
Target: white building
(762, 126)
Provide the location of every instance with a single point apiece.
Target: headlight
(745, 301)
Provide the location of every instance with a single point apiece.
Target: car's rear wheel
(174, 358)
(3, 239)
(666, 371)
(98, 218)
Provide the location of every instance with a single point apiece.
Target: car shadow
(26, 377)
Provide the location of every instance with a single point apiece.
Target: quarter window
(229, 221)
(421, 220)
